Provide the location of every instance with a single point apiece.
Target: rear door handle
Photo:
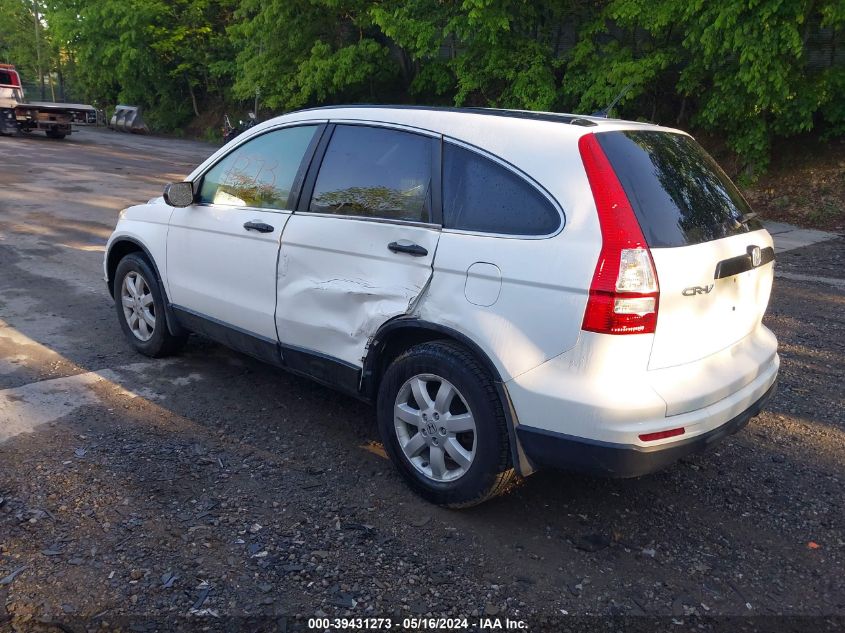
(404, 246)
(261, 227)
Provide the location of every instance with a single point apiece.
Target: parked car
(511, 290)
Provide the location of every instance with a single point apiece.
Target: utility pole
(257, 88)
(38, 46)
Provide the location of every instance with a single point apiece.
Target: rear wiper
(744, 219)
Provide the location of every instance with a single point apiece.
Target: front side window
(375, 172)
(482, 196)
(259, 173)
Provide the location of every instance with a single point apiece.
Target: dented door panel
(338, 281)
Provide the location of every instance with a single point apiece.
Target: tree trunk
(62, 95)
(193, 97)
(38, 47)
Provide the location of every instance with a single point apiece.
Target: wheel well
(394, 345)
(399, 337)
(118, 251)
(121, 249)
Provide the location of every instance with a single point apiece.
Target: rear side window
(482, 196)
(375, 172)
(679, 194)
(261, 172)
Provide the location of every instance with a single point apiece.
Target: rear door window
(679, 194)
(375, 172)
(482, 196)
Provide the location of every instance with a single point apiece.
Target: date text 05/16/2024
(418, 624)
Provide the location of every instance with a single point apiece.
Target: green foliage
(159, 54)
(750, 70)
(307, 52)
(747, 70)
(17, 36)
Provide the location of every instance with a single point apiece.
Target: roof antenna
(606, 111)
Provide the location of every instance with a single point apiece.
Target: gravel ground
(209, 487)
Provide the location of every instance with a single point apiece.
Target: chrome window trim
(403, 127)
(211, 205)
(422, 225)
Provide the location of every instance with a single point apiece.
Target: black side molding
(263, 349)
(742, 263)
(327, 370)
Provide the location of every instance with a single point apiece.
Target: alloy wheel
(138, 305)
(435, 427)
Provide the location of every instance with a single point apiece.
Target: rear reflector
(624, 292)
(661, 435)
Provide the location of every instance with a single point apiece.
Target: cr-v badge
(696, 290)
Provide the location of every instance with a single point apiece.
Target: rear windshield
(679, 194)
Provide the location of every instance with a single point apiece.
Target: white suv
(511, 290)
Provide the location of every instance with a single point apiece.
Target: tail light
(624, 293)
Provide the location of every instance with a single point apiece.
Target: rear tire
(56, 134)
(442, 423)
(140, 304)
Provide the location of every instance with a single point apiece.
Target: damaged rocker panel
(322, 368)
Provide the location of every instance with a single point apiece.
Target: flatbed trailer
(55, 119)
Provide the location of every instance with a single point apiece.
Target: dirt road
(212, 485)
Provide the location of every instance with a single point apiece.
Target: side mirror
(179, 194)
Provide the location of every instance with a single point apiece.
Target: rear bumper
(557, 450)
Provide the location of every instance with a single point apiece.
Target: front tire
(140, 305)
(442, 423)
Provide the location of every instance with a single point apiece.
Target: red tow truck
(17, 114)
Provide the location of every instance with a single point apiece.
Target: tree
(154, 53)
(17, 38)
(747, 70)
(307, 52)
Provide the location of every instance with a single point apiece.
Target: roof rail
(515, 114)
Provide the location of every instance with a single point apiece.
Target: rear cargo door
(714, 260)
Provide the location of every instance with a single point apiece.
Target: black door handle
(408, 247)
(259, 226)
